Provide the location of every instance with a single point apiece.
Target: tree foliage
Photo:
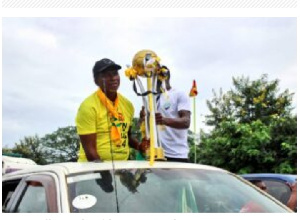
(253, 129)
(60, 146)
(30, 147)
(192, 142)
(249, 101)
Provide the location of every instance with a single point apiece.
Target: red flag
(194, 91)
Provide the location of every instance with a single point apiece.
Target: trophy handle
(158, 127)
(147, 133)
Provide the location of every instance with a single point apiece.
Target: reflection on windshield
(165, 191)
(131, 180)
(106, 181)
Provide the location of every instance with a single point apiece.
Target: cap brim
(111, 66)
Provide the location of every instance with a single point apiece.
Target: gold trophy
(146, 64)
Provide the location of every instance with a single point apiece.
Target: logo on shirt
(124, 134)
(167, 105)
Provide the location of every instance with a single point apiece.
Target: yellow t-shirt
(93, 117)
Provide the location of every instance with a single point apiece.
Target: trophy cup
(146, 64)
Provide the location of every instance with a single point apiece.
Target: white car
(131, 187)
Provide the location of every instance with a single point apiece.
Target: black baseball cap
(103, 64)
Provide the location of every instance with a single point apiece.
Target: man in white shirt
(174, 113)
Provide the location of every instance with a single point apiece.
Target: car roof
(17, 160)
(285, 177)
(70, 168)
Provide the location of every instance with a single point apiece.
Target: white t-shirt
(174, 141)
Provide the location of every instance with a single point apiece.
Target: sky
(47, 62)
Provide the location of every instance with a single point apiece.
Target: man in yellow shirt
(104, 118)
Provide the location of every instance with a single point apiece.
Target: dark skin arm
(134, 143)
(89, 145)
(292, 203)
(182, 122)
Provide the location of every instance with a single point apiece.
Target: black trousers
(172, 159)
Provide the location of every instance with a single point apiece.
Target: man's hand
(144, 145)
(293, 187)
(142, 114)
(160, 120)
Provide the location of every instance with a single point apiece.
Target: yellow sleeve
(86, 119)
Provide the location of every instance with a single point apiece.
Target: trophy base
(159, 154)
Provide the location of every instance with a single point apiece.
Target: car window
(165, 190)
(33, 200)
(278, 189)
(8, 188)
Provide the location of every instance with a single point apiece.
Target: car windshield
(165, 191)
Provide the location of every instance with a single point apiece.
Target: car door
(35, 194)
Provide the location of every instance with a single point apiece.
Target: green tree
(260, 100)
(240, 148)
(249, 101)
(6, 150)
(192, 145)
(284, 142)
(221, 108)
(30, 147)
(253, 129)
(62, 145)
